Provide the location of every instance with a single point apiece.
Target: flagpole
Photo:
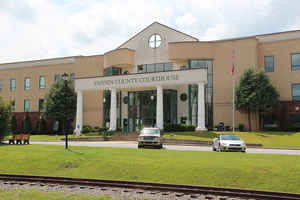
(233, 103)
(233, 90)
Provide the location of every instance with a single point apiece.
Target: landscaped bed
(253, 171)
(267, 139)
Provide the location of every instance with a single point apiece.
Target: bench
(18, 138)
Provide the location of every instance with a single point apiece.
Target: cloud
(32, 29)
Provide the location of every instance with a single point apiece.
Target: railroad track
(185, 189)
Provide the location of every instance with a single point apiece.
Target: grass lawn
(39, 195)
(238, 170)
(267, 139)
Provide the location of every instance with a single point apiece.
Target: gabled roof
(152, 25)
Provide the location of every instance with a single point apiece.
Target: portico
(142, 81)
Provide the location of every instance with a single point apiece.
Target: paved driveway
(122, 144)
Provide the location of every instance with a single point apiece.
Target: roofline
(125, 48)
(38, 60)
(161, 25)
(239, 38)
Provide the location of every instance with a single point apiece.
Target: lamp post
(65, 79)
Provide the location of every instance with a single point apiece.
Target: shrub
(87, 129)
(228, 128)
(14, 125)
(27, 124)
(241, 127)
(178, 127)
(284, 117)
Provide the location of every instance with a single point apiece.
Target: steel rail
(186, 189)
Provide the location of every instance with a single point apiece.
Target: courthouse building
(160, 76)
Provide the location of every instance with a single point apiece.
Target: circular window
(125, 100)
(155, 41)
(183, 97)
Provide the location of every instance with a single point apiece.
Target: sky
(41, 29)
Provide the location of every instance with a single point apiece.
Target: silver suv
(150, 137)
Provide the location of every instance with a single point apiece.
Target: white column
(201, 108)
(113, 110)
(79, 113)
(159, 108)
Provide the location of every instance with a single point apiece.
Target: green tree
(60, 103)
(4, 118)
(267, 97)
(246, 94)
(14, 125)
(255, 93)
(27, 124)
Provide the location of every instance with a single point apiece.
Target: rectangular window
(296, 92)
(0, 85)
(13, 106)
(26, 105)
(41, 104)
(296, 61)
(168, 66)
(72, 75)
(269, 63)
(160, 67)
(42, 82)
(151, 68)
(27, 83)
(56, 77)
(156, 67)
(12, 84)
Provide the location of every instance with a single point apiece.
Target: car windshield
(150, 131)
(229, 137)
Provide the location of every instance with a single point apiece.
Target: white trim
(176, 77)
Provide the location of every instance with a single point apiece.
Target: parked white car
(150, 137)
(228, 142)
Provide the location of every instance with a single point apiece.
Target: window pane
(269, 63)
(12, 108)
(151, 68)
(27, 83)
(56, 77)
(295, 61)
(295, 120)
(72, 76)
(41, 104)
(168, 66)
(26, 105)
(296, 91)
(42, 82)
(160, 67)
(12, 84)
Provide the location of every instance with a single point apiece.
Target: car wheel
(160, 146)
(219, 149)
(214, 149)
(140, 146)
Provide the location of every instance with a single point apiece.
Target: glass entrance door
(147, 108)
(170, 106)
(142, 108)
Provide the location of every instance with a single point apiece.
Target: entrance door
(147, 108)
(142, 108)
(170, 106)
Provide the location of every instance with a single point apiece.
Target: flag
(233, 67)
